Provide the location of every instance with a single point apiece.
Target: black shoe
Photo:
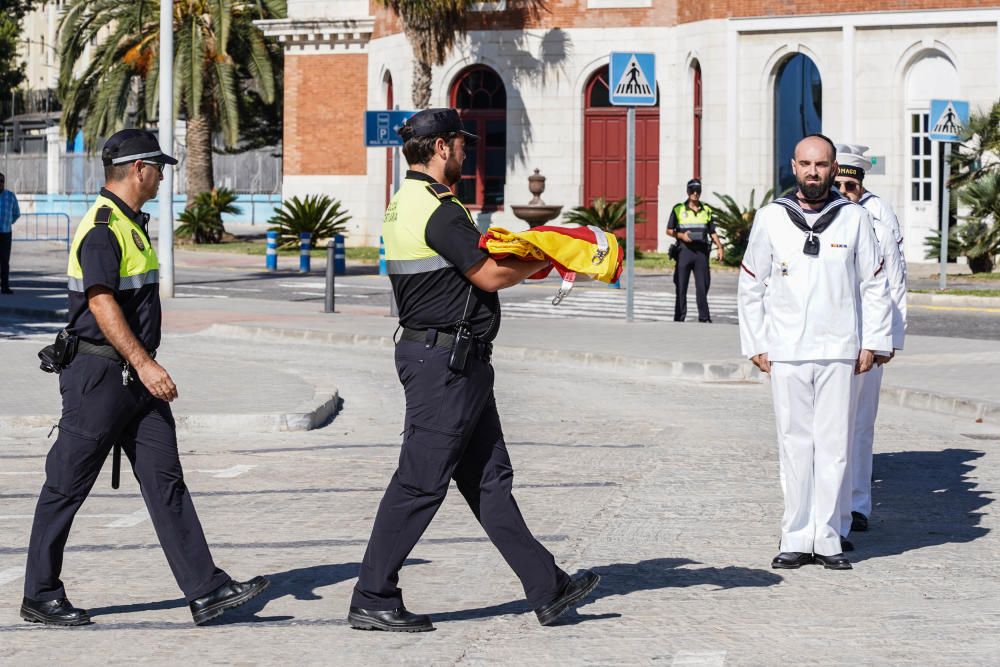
(835, 562)
(859, 522)
(846, 544)
(53, 612)
(6, 290)
(228, 595)
(708, 321)
(574, 592)
(396, 620)
(791, 560)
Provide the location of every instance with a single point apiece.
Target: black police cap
(433, 123)
(127, 146)
(694, 184)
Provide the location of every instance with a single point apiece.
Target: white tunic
(895, 272)
(797, 307)
(880, 211)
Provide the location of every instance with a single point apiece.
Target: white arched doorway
(932, 76)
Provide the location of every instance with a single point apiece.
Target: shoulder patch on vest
(103, 216)
(440, 190)
(138, 241)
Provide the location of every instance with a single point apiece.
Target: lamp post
(166, 83)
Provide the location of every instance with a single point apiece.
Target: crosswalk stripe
(596, 303)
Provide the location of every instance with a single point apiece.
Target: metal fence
(252, 172)
(26, 174)
(42, 227)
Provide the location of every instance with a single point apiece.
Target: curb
(707, 371)
(924, 299)
(316, 413)
(699, 370)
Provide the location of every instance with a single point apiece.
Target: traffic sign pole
(945, 215)
(632, 83)
(630, 219)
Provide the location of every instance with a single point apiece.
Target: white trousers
(857, 494)
(812, 401)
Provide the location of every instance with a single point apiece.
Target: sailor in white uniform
(814, 310)
(879, 208)
(856, 507)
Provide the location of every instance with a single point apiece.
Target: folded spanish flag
(573, 250)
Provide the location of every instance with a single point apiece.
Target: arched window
(696, 121)
(798, 111)
(481, 100)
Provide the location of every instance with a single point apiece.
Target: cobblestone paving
(667, 488)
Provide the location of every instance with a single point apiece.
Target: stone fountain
(536, 212)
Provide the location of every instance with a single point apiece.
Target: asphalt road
(654, 298)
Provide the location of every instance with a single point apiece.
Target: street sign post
(632, 83)
(382, 131)
(947, 119)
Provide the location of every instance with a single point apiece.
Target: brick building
(739, 82)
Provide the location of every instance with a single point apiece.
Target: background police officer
(692, 224)
(449, 313)
(113, 391)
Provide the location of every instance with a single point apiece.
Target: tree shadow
(620, 579)
(922, 499)
(300, 583)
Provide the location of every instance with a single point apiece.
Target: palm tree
(221, 63)
(433, 26)
(980, 143)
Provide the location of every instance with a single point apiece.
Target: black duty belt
(432, 337)
(106, 351)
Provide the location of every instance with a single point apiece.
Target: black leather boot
(228, 595)
(577, 589)
(53, 612)
(394, 620)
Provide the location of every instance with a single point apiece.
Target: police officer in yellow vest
(692, 224)
(449, 313)
(115, 394)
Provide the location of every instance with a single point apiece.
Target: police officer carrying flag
(814, 310)
(115, 394)
(449, 314)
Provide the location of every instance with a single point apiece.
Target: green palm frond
(733, 222)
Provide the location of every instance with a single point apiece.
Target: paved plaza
(665, 486)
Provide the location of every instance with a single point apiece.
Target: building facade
(738, 85)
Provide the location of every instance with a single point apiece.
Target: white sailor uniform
(812, 314)
(857, 496)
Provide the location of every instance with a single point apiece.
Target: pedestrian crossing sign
(948, 118)
(632, 80)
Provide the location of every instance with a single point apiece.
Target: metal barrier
(42, 227)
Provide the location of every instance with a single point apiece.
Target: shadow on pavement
(625, 578)
(922, 499)
(300, 583)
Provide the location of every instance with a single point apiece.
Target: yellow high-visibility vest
(139, 265)
(405, 224)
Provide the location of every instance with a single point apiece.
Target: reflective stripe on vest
(404, 228)
(139, 265)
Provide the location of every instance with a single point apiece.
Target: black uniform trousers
(6, 241)
(692, 260)
(98, 410)
(451, 431)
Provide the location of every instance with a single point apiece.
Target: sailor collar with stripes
(827, 215)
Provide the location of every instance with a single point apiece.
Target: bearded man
(814, 310)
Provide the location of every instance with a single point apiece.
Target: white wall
(545, 73)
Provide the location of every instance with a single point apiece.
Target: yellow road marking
(968, 309)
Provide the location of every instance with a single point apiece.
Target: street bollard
(383, 269)
(304, 251)
(339, 255)
(272, 251)
(328, 302)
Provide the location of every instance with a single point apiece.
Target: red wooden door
(604, 141)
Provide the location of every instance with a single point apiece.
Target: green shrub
(733, 223)
(202, 221)
(320, 215)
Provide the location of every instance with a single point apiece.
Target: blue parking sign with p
(381, 127)
(632, 79)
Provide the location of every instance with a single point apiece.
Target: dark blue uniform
(451, 428)
(98, 410)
